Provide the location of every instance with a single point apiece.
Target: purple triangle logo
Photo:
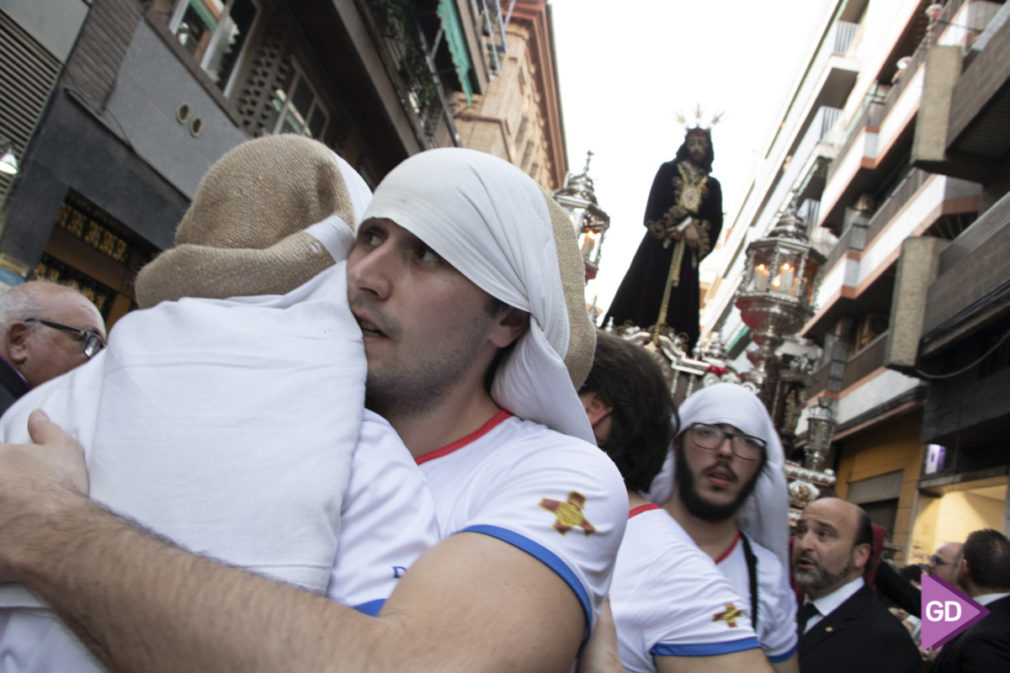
(946, 612)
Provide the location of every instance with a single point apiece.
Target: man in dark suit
(841, 624)
(983, 572)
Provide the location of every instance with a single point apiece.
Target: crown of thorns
(698, 118)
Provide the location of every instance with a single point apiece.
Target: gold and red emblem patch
(569, 513)
(729, 615)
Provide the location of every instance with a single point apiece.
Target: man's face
(46, 352)
(824, 555)
(713, 483)
(697, 147)
(943, 562)
(427, 329)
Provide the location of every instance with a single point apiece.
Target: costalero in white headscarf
(498, 228)
(764, 516)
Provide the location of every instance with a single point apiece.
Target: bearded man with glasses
(48, 329)
(723, 482)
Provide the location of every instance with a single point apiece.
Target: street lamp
(821, 423)
(578, 198)
(775, 297)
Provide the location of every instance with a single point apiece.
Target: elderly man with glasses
(943, 562)
(48, 329)
(724, 484)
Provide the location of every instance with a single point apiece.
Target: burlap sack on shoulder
(242, 235)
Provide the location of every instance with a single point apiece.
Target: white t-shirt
(556, 497)
(668, 597)
(776, 629)
(386, 521)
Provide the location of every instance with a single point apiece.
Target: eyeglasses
(91, 342)
(935, 562)
(711, 437)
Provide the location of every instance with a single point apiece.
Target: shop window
(214, 33)
(93, 252)
(55, 271)
(935, 459)
(878, 496)
(883, 513)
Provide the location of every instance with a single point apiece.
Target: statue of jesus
(683, 218)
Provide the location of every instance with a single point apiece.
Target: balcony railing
(821, 129)
(809, 211)
(845, 35)
(897, 200)
(877, 106)
(853, 241)
(845, 244)
(870, 114)
(403, 48)
(865, 361)
(837, 43)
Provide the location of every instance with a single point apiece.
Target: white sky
(627, 67)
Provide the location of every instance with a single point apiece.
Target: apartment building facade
(518, 117)
(865, 151)
(116, 108)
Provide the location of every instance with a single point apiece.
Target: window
(883, 513)
(296, 107)
(214, 32)
(527, 153)
(521, 134)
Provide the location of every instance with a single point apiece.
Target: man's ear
(861, 556)
(512, 324)
(17, 342)
(962, 573)
(596, 409)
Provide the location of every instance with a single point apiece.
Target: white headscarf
(495, 225)
(764, 516)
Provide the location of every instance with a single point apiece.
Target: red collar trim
(730, 548)
(460, 443)
(641, 508)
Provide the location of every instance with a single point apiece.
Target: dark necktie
(806, 611)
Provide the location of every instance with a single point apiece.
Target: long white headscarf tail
(495, 225)
(764, 516)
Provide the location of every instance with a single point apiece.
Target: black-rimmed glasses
(711, 437)
(91, 342)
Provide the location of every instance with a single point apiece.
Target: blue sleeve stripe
(705, 649)
(371, 608)
(778, 658)
(546, 556)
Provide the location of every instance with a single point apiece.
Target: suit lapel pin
(829, 629)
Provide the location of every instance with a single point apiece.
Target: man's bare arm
(790, 665)
(472, 603)
(602, 653)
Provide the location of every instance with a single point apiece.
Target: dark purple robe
(640, 294)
